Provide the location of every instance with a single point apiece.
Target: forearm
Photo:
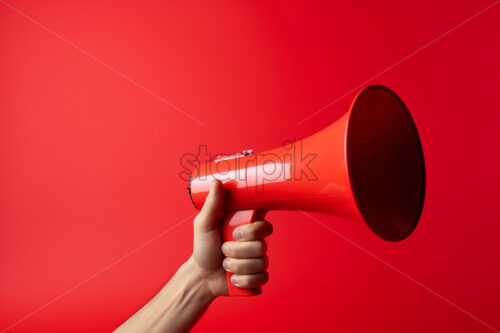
(176, 308)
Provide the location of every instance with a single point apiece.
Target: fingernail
(234, 280)
(224, 248)
(237, 234)
(227, 265)
(212, 186)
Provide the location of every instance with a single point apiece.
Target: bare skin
(202, 278)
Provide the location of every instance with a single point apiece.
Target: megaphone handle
(230, 221)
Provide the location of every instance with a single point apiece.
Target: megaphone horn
(368, 166)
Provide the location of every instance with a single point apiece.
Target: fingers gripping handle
(229, 222)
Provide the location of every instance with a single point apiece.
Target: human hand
(245, 257)
(180, 304)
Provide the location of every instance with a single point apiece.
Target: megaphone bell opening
(385, 163)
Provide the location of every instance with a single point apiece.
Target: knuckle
(263, 264)
(235, 266)
(250, 233)
(257, 265)
(265, 277)
(238, 251)
(265, 227)
(266, 262)
(270, 227)
(260, 248)
(259, 230)
(253, 250)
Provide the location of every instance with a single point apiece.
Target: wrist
(194, 279)
(212, 281)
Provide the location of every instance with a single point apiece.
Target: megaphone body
(368, 166)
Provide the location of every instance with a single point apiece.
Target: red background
(89, 162)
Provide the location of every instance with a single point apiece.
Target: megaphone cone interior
(385, 163)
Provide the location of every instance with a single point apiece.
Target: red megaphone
(367, 166)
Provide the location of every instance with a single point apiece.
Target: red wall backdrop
(89, 161)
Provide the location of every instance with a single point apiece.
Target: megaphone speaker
(368, 166)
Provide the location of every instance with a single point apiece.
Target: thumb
(209, 217)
